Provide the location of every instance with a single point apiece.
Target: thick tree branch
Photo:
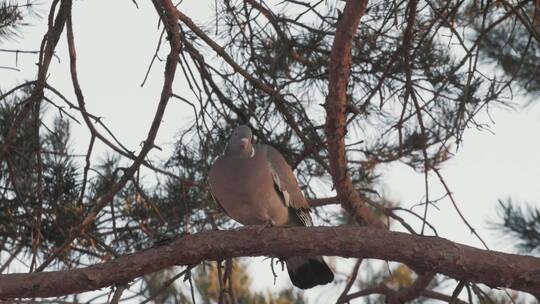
(336, 112)
(424, 254)
(317, 202)
(336, 108)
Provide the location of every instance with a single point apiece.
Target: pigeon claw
(268, 224)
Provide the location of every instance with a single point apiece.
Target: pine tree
(413, 91)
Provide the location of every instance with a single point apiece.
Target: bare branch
(166, 9)
(388, 292)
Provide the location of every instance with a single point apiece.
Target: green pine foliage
(513, 45)
(38, 179)
(522, 223)
(14, 16)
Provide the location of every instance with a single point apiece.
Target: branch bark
(424, 254)
(336, 112)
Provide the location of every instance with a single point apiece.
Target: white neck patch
(252, 152)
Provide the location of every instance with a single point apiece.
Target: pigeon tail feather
(308, 272)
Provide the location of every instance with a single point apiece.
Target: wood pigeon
(254, 185)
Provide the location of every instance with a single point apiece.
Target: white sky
(115, 43)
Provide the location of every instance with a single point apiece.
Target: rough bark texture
(424, 254)
(336, 112)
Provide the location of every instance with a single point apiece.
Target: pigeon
(254, 185)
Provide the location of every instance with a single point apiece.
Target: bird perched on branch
(254, 185)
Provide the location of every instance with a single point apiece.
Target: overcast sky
(115, 43)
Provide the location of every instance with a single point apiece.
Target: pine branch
(523, 225)
(424, 254)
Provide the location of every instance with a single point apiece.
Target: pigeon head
(240, 142)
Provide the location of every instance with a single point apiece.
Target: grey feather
(254, 185)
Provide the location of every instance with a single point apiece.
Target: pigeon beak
(244, 143)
